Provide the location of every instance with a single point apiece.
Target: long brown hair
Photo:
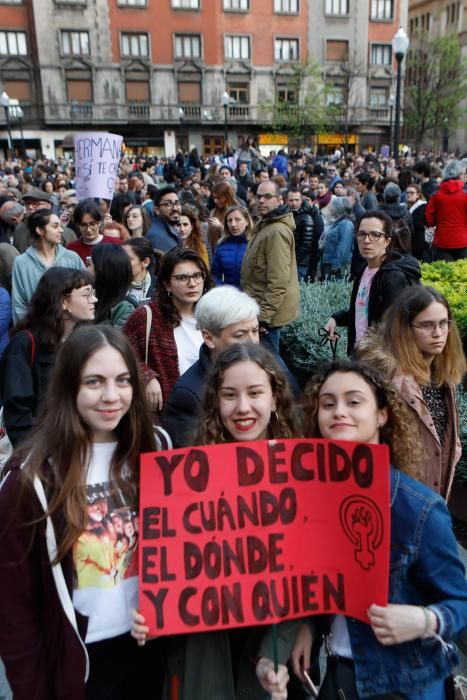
(58, 449)
(400, 432)
(397, 337)
(223, 189)
(195, 239)
(282, 424)
(168, 309)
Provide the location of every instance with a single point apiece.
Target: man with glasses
(164, 233)
(383, 277)
(269, 269)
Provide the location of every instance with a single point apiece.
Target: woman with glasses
(386, 273)
(45, 251)
(418, 345)
(63, 299)
(164, 333)
(88, 218)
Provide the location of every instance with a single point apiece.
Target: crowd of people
(154, 321)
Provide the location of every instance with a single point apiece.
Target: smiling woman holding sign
(404, 651)
(247, 398)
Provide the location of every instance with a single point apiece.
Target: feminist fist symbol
(362, 523)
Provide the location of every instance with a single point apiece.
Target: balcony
(139, 111)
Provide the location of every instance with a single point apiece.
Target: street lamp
(225, 104)
(5, 103)
(20, 116)
(392, 101)
(400, 45)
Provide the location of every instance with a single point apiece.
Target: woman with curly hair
(63, 299)
(404, 650)
(418, 345)
(164, 333)
(191, 232)
(247, 398)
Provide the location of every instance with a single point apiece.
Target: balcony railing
(170, 115)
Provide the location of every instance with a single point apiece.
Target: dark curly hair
(400, 432)
(169, 261)
(283, 422)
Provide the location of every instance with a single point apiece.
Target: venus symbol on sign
(362, 522)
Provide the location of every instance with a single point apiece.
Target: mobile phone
(309, 684)
(88, 261)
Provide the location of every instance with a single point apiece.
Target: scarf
(324, 200)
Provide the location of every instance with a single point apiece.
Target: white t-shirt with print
(105, 558)
(188, 339)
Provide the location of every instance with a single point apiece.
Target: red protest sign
(243, 534)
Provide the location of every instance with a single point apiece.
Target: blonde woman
(228, 258)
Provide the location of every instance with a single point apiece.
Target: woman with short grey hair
(338, 239)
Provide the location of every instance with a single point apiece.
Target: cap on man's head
(37, 195)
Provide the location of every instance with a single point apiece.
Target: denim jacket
(425, 570)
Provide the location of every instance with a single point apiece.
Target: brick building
(156, 70)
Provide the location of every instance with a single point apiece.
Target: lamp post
(400, 45)
(392, 100)
(20, 116)
(445, 135)
(181, 116)
(5, 103)
(225, 104)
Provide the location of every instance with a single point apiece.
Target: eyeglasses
(373, 236)
(267, 196)
(88, 294)
(86, 227)
(429, 326)
(169, 203)
(184, 279)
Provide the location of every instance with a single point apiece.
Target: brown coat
(269, 269)
(438, 468)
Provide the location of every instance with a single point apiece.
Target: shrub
(450, 279)
(300, 342)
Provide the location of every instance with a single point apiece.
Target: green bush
(451, 280)
(461, 469)
(300, 342)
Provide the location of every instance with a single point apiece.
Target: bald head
(12, 212)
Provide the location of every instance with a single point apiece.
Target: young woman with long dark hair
(63, 299)
(143, 266)
(164, 333)
(68, 575)
(113, 276)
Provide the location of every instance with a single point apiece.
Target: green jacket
(269, 269)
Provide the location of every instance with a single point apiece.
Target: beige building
(437, 18)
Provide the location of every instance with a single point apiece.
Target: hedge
(451, 280)
(461, 469)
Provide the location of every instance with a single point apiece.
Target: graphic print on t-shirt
(105, 554)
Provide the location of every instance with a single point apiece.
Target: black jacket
(397, 272)
(183, 407)
(309, 227)
(23, 385)
(399, 212)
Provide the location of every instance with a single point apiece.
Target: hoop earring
(169, 293)
(276, 415)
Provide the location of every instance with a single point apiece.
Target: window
(11, 2)
(286, 93)
(382, 9)
(13, 44)
(75, 43)
(335, 96)
(185, 4)
(337, 50)
(236, 5)
(79, 90)
(18, 89)
(286, 6)
(286, 50)
(237, 47)
(134, 45)
(137, 91)
(378, 98)
(132, 3)
(189, 93)
(239, 92)
(381, 54)
(337, 7)
(187, 46)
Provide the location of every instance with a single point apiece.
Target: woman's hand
(214, 221)
(273, 683)
(301, 651)
(396, 624)
(138, 628)
(330, 327)
(154, 395)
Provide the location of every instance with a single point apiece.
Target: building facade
(156, 71)
(434, 19)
